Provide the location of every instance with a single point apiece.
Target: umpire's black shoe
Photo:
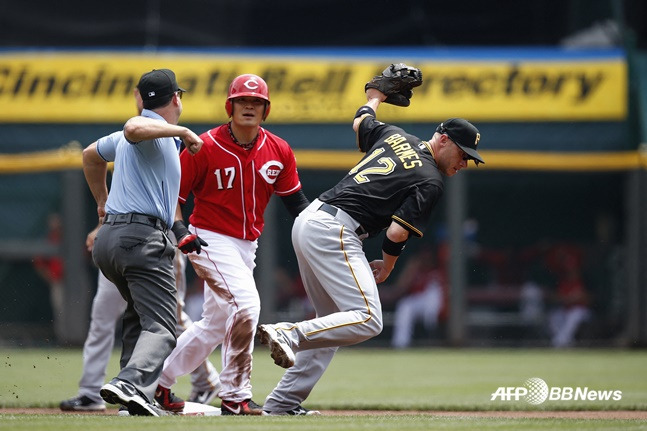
(82, 403)
(122, 392)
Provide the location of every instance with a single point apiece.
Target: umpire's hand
(192, 141)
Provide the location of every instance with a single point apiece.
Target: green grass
(358, 378)
(347, 423)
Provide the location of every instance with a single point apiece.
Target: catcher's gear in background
(396, 82)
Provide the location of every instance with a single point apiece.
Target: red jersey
(571, 292)
(232, 186)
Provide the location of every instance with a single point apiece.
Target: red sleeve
(193, 168)
(288, 180)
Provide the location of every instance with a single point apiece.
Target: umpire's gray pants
(138, 259)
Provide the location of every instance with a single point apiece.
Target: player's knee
(372, 327)
(377, 326)
(246, 320)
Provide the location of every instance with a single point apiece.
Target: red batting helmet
(248, 85)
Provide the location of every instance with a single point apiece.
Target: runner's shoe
(167, 400)
(247, 408)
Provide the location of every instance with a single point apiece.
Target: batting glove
(187, 242)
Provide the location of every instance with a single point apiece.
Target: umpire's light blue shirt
(146, 177)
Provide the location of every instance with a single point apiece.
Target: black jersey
(397, 180)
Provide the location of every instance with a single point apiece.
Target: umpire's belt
(344, 217)
(135, 218)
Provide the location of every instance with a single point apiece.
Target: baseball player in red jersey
(232, 179)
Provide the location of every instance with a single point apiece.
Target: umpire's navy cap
(158, 83)
(464, 134)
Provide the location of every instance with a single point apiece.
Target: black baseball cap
(158, 83)
(464, 134)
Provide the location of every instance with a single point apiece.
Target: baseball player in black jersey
(395, 187)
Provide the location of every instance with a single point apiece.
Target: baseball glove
(397, 82)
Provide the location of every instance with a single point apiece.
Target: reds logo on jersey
(270, 171)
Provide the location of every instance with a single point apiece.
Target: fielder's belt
(333, 211)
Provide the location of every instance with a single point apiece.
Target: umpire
(132, 248)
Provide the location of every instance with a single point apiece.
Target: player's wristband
(392, 248)
(365, 110)
(179, 230)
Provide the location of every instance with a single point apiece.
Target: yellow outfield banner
(70, 157)
(96, 87)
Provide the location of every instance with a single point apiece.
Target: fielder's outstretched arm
(374, 97)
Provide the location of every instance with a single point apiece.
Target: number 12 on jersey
(386, 166)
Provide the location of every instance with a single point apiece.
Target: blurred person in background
(50, 268)
(291, 297)
(422, 288)
(194, 299)
(570, 303)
